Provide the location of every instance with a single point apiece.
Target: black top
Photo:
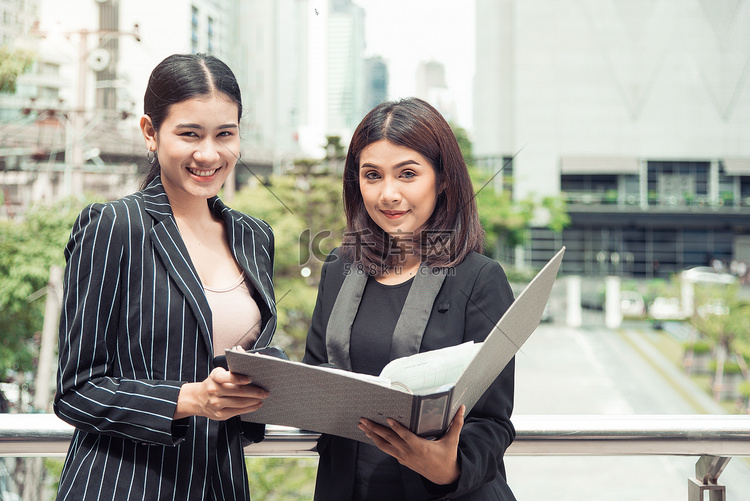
(471, 300)
(374, 324)
(377, 474)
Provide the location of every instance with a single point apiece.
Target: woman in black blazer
(156, 285)
(409, 278)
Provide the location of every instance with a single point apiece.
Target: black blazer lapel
(166, 239)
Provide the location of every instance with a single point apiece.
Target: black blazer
(471, 300)
(135, 326)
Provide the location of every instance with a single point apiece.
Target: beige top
(236, 317)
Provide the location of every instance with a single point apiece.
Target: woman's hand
(436, 460)
(220, 396)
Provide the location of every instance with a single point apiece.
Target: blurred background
(617, 128)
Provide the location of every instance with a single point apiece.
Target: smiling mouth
(393, 214)
(202, 173)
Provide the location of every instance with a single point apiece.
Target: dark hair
(453, 230)
(180, 77)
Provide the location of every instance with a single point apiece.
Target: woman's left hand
(436, 460)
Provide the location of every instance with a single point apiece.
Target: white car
(666, 308)
(707, 275)
(632, 304)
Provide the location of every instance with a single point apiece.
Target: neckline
(393, 286)
(229, 288)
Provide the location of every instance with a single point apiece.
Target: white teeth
(202, 173)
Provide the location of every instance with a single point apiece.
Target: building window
(678, 183)
(194, 38)
(210, 35)
(589, 188)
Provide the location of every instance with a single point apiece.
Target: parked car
(632, 304)
(707, 275)
(665, 308)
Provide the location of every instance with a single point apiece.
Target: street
(593, 370)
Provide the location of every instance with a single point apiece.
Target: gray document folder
(330, 401)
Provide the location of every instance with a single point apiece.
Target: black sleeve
(487, 430)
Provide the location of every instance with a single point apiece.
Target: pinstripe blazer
(135, 326)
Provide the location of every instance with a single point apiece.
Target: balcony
(613, 201)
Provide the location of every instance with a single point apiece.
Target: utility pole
(76, 124)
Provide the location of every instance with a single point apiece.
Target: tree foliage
(28, 248)
(281, 479)
(13, 62)
(722, 316)
(305, 211)
(506, 221)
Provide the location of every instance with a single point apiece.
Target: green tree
(305, 211)
(28, 248)
(506, 221)
(13, 62)
(464, 143)
(282, 479)
(724, 318)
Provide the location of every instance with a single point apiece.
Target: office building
(636, 113)
(345, 67)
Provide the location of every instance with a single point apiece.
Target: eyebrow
(196, 126)
(397, 166)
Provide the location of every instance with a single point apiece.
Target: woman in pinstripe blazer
(156, 285)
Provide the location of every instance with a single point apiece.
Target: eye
(408, 174)
(188, 133)
(371, 175)
(226, 133)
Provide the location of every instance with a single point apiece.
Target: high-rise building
(345, 67)
(636, 113)
(431, 85)
(274, 67)
(16, 18)
(376, 81)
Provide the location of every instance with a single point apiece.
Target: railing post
(707, 471)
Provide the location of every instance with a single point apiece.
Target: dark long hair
(180, 77)
(453, 230)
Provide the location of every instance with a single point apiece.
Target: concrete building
(274, 71)
(432, 86)
(376, 81)
(72, 126)
(636, 113)
(345, 67)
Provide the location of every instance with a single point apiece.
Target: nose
(390, 192)
(207, 153)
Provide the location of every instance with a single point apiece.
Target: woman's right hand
(220, 396)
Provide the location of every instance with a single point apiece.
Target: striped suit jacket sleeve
(95, 401)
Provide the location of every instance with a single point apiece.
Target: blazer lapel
(254, 262)
(339, 328)
(168, 243)
(407, 335)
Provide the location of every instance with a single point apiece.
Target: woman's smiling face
(398, 186)
(197, 145)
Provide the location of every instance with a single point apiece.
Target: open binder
(327, 400)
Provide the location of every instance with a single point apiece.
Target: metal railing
(714, 439)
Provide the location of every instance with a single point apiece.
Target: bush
(730, 367)
(698, 347)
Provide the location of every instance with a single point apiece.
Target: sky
(406, 32)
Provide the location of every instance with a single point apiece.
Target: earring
(239, 156)
(151, 156)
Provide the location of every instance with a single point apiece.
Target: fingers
(223, 376)
(227, 395)
(454, 431)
